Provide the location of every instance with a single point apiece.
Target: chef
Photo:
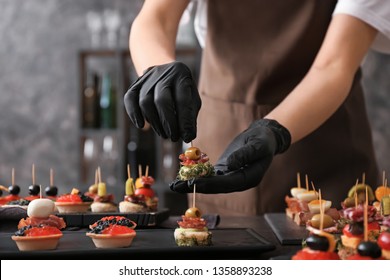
(279, 93)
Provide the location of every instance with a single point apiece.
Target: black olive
(51, 191)
(356, 228)
(369, 249)
(14, 189)
(34, 189)
(1, 192)
(317, 243)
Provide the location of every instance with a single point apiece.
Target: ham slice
(52, 221)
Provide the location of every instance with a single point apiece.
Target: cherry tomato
(145, 191)
(384, 240)
(307, 254)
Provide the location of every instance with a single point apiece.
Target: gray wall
(39, 94)
(39, 88)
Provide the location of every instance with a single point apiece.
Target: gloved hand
(166, 96)
(244, 162)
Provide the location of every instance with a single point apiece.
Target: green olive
(93, 188)
(192, 153)
(316, 221)
(193, 212)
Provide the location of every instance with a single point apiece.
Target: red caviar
(69, 198)
(42, 231)
(117, 229)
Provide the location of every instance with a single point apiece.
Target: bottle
(90, 102)
(107, 102)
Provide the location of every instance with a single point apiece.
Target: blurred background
(65, 67)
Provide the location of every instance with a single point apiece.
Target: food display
(103, 202)
(73, 202)
(112, 232)
(194, 164)
(41, 230)
(192, 230)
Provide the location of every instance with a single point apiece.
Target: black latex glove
(244, 162)
(166, 96)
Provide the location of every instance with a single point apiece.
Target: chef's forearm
(152, 38)
(312, 102)
(329, 80)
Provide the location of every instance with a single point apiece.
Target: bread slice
(192, 237)
(351, 242)
(386, 254)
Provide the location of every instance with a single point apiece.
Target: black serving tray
(285, 229)
(153, 243)
(142, 220)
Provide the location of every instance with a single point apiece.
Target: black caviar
(20, 202)
(21, 231)
(101, 225)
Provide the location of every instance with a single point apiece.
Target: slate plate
(287, 232)
(143, 220)
(149, 243)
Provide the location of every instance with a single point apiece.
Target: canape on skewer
(103, 202)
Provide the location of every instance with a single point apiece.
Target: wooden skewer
(356, 200)
(193, 197)
(364, 178)
(33, 174)
(365, 217)
(355, 193)
(191, 144)
(312, 185)
(383, 177)
(51, 177)
(99, 175)
(128, 171)
(299, 180)
(321, 211)
(13, 176)
(96, 177)
(307, 182)
(139, 170)
(147, 171)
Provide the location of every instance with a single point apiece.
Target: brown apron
(256, 52)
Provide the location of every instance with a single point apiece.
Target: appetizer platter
(148, 243)
(140, 203)
(344, 222)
